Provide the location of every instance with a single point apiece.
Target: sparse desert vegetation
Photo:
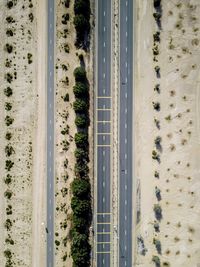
(19, 107)
(171, 122)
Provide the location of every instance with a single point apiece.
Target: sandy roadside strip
(39, 173)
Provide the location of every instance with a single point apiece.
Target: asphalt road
(50, 136)
(103, 134)
(126, 124)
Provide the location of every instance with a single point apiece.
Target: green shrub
(66, 98)
(80, 250)
(7, 253)
(9, 150)
(9, 77)
(9, 210)
(8, 224)
(9, 4)
(155, 156)
(80, 90)
(8, 194)
(10, 19)
(9, 48)
(9, 32)
(31, 17)
(81, 140)
(156, 260)
(8, 91)
(9, 165)
(81, 24)
(8, 179)
(81, 170)
(65, 18)
(156, 37)
(8, 120)
(82, 7)
(156, 106)
(9, 241)
(57, 243)
(8, 136)
(30, 58)
(80, 106)
(8, 106)
(66, 48)
(81, 207)
(81, 155)
(80, 224)
(81, 121)
(81, 188)
(80, 74)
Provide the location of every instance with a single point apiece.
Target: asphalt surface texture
(103, 132)
(50, 136)
(125, 135)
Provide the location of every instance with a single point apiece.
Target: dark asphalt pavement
(103, 132)
(126, 124)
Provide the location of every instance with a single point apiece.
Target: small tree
(81, 121)
(81, 170)
(81, 140)
(81, 155)
(80, 106)
(81, 207)
(80, 90)
(81, 188)
(80, 74)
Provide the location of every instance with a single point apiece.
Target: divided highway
(50, 135)
(125, 135)
(103, 135)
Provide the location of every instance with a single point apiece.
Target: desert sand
(20, 128)
(167, 125)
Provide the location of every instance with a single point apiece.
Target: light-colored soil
(179, 167)
(24, 129)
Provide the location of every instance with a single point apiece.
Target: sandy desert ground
(167, 134)
(20, 98)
